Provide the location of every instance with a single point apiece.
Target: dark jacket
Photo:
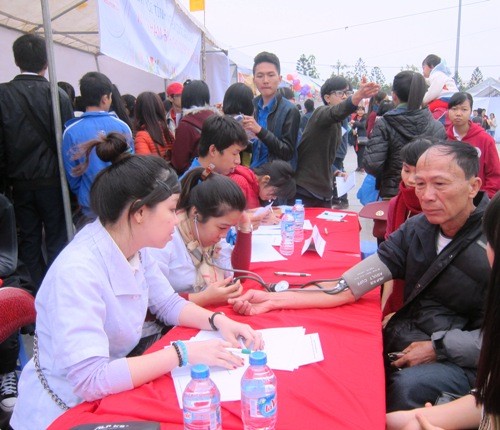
(318, 147)
(447, 306)
(24, 156)
(280, 135)
(395, 129)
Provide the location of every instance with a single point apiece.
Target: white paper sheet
(344, 185)
(314, 243)
(332, 216)
(263, 209)
(263, 250)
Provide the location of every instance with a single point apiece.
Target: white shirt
(176, 264)
(90, 311)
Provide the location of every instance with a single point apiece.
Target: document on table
(344, 185)
(332, 216)
(263, 209)
(287, 348)
(263, 249)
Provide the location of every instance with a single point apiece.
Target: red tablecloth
(344, 391)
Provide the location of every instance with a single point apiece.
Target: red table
(344, 391)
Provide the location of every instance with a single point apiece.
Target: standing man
(322, 137)
(174, 115)
(95, 123)
(276, 120)
(28, 155)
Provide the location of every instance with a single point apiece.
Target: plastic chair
(17, 309)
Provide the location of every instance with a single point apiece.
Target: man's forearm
(307, 299)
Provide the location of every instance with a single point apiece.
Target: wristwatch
(211, 320)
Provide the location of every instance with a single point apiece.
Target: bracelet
(211, 320)
(178, 351)
(184, 352)
(250, 230)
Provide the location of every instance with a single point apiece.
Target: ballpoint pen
(291, 274)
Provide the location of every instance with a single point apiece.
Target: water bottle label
(263, 406)
(193, 417)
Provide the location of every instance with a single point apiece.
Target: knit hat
(174, 88)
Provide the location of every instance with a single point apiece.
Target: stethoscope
(274, 287)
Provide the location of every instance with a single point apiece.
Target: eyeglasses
(340, 93)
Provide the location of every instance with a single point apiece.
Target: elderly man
(441, 256)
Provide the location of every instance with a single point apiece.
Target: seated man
(441, 257)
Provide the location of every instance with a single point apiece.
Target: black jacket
(24, 156)
(447, 306)
(280, 135)
(391, 132)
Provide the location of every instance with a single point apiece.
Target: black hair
(69, 90)
(131, 181)
(411, 152)
(281, 176)
(30, 53)
(80, 104)
(458, 98)
(266, 57)
(195, 94)
(286, 93)
(488, 374)
(384, 107)
(465, 155)
(376, 100)
(150, 115)
(222, 131)
(335, 83)
(431, 60)
(129, 101)
(410, 87)
(214, 197)
(238, 99)
(118, 106)
(309, 105)
(93, 86)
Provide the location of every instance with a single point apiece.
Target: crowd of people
(164, 210)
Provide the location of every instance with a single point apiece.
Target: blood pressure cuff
(367, 275)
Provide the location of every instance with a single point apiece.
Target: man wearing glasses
(321, 138)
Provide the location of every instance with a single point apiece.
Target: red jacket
(249, 184)
(489, 164)
(187, 137)
(144, 145)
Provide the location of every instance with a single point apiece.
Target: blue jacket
(280, 135)
(91, 125)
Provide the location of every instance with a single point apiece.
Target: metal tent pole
(54, 91)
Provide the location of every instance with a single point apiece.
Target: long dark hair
(131, 180)
(488, 375)
(410, 88)
(212, 195)
(118, 106)
(150, 115)
(281, 176)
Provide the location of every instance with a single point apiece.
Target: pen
(291, 274)
(326, 230)
(244, 349)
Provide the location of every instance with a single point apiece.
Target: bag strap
(34, 120)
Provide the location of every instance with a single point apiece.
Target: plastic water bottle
(298, 214)
(259, 395)
(201, 401)
(287, 233)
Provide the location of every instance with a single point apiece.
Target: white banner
(152, 35)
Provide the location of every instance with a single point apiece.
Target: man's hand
(366, 90)
(416, 353)
(253, 302)
(250, 124)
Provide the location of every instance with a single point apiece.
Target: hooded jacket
(394, 130)
(489, 164)
(187, 136)
(249, 184)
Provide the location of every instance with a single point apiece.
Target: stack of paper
(287, 348)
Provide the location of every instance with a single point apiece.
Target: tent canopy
(488, 88)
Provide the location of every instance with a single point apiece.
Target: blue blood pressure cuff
(367, 275)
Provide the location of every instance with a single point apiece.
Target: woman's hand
(232, 330)
(219, 292)
(245, 222)
(213, 353)
(270, 218)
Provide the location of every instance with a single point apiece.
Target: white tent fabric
(488, 88)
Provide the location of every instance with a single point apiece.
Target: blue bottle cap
(258, 358)
(298, 201)
(200, 371)
(288, 210)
